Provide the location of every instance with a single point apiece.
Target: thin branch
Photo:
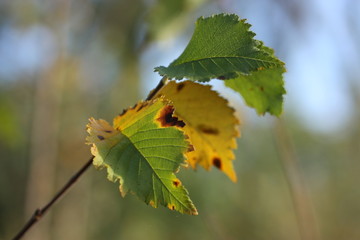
(39, 213)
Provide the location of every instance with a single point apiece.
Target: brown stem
(39, 213)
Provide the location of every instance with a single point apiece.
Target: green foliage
(223, 47)
(147, 143)
(143, 152)
(262, 90)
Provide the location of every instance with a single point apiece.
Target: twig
(39, 213)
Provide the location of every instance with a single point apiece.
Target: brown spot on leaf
(108, 131)
(180, 86)
(144, 104)
(123, 112)
(176, 182)
(167, 119)
(262, 88)
(135, 105)
(208, 129)
(217, 162)
(139, 108)
(171, 206)
(100, 137)
(190, 148)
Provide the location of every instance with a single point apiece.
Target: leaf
(143, 150)
(262, 90)
(221, 47)
(209, 122)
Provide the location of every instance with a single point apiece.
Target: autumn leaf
(210, 124)
(143, 150)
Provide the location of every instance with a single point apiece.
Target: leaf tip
(98, 130)
(195, 212)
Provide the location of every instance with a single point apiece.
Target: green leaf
(262, 90)
(221, 47)
(143, 150)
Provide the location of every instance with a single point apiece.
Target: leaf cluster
(187, 123)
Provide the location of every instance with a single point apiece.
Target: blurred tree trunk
(126, 90)
(45, 130)
(303, 206)
(44, 149)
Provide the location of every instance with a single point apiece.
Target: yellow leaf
(210, 124)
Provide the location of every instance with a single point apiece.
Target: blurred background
(63, 61)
